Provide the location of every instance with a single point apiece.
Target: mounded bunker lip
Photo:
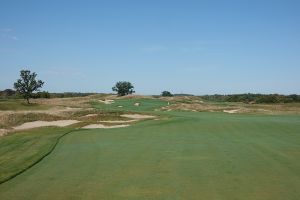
(101, 126)
(36, 124)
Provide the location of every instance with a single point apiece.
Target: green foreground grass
(189, 155)
(19, 151)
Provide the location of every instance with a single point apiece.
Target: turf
(128, 105)
(188, 156)
(19, 151)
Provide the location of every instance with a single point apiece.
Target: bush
(166, 94)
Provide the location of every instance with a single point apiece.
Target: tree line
(27, 86)
(253, 98)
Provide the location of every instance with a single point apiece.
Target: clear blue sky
(199, 47)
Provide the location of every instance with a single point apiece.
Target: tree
(27, 84)
(123, 88)
(166, 94)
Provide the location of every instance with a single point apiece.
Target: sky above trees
(199, 47)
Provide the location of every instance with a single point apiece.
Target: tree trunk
(27, 100)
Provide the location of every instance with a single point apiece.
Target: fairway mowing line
(39, 160)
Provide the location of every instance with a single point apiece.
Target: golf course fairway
(187, 155)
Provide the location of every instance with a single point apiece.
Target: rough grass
(187, 156)
(19, 104)
(15, 119)
(269, 109)
(19, 151)
(10, 120)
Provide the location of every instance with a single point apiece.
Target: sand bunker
(92, 126)
(231, 111)
(107, 101)
(3, 132)
(119, 121)
(36, 124)
(138, 116)
(90, 115)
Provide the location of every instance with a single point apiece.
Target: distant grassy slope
(20, 150)
(19, 104)
(188, 156)
(128, 105)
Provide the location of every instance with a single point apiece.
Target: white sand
(92, 126)
(119, 121)
(36, 124)
(3, 132)
(138, 116)
(231, 111)
(90, 115)
(107, 101)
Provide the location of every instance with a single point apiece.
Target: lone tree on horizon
(123, 88)
(166, 94)
(27, 84)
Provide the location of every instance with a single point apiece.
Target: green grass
(128, 105)
(21, 150)
(187, 156)
(19, 104)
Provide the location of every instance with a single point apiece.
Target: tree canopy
(166, 94)
(123, 88)
(27, 84)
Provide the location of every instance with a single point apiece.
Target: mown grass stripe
(38, 160)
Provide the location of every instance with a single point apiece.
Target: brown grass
(193, 104)
(15, 119)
